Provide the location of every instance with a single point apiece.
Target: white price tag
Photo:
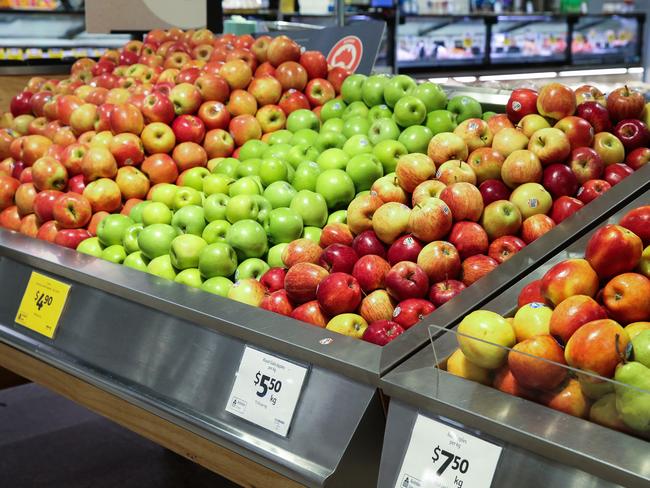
(266, 390)
(439, 456)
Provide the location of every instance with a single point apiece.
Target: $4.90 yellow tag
(42, 304)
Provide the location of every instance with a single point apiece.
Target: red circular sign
(346, 53)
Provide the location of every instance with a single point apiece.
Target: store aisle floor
(46, 441)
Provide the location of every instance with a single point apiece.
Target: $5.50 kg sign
(266, 390)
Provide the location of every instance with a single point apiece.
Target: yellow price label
(42, 304)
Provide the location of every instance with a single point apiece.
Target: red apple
(440, 261)
(565, 207)
(522, 102)
(188, 128)
(476, 267)
(277, 302)
(336, 76)
(71, 237)
(567, 278)
(559, 180)
(469, 238)
(8, 187)
(410, 311)
(382, 332)
(504, 247)
(572, 313)
(596, 114)
(282, 49)
(273, 279)
(624, 103)
(406, 280)
(615, 173)
(71, 210)
(579, 132)
(311, 313)
(443, 291)
(339, 293)
(531, 293)
(540, 374)
(301, 281)
(493, 190)
(638, 221)
(613, 250)
(638, 157)
(464, 200)
(626, 298)
(632, 133)
(377, 305)
(48, 231)
(405, 248)
(597, 347)
(301, 251)
(314, 63)
(370, 271)
(319, 92)
(556, 101)
(367, 242)
(586, 164)
(10, 219)
(338, 258)
(292, 100)
(214, 115)
(535, 227)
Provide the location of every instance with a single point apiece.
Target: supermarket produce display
(586, 394)
(354, 208)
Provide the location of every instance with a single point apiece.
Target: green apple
(352, 88)
(130, 238)
(216, 231)
(164, 193)
(136, 211)
(154, 240)
(278, 151)
(241, 207)
(216, 183)
(300, 153)
(250, 167)
(380, 112)
(356, 125)
(227, 166)
(214, 207)
(114, 254)
(251, 268)
(433, 96)
(253, 148)
(283, 225)
(416, 138)
(340, 216)
(162, 266)
(264, 207)
(409, 111)
(364, 169)
(334, 125)
(357, 144)
(306, 175)
(311, 233)
(187, 196)
(302, 119)
(304, 136)
(91, 246)
(189, 220)
(218, 285)
(272, 170)
(185, 250)
(189, 277)
(217, 259)
(355, 110)
(248, 238)
(465, 108)
(332, 109)
(382, 130)
(280, 194)
(111, 229)
(193, 177)
(373, 89)
(156, 213)
(336, 186)
(440, 121)
(398, 87)
(136, 260)
(311, 206)
(248, 185)
(333, 158)
(488, 115)
(280, 137)
(274, 257)
(329, 139)
(388, 152)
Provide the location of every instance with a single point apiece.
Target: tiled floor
(47, 441)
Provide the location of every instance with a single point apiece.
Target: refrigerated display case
(539, 446)
(612, 39)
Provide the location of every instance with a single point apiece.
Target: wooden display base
(220, 460)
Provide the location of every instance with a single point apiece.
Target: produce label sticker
(42, 304)
(439, 456)
(266, 390)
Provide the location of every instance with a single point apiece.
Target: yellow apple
(459, 365)
(532, 319)
(635, 328)
(493, 332)
(349, 324)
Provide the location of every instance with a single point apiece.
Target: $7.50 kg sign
(42, 304)
(266, 390)
(440, 456)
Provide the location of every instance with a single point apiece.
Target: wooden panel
(227, 463)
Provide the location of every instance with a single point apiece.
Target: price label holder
(266, 390)
(441, 456)
(42, 304)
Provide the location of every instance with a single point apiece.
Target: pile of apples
(590, 313)
(250, 169)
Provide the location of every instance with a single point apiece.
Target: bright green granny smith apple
(217, 259)
(111, 229)
(311, 206)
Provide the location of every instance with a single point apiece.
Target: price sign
(266, 390)
(440, 456)
(42, 304)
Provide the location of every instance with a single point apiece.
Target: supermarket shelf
(542, 447)
(36, 11)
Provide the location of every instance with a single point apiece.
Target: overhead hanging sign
(440, 456)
